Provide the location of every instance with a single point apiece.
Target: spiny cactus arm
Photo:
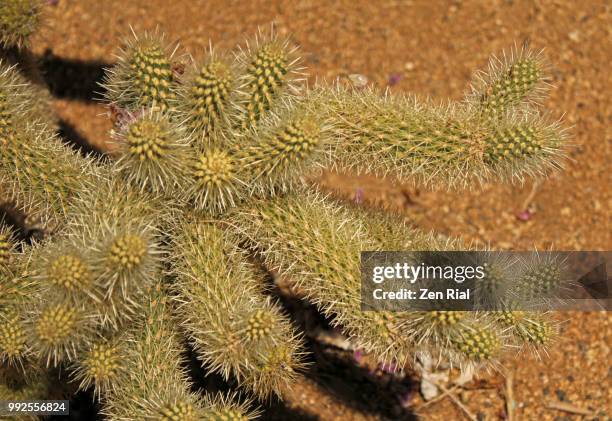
(532, 279)
(99, 363)
(270, 77)
(41, 170)
(152, 151)
(117, 230)
(35, 166)
(284, 147)
(16, 288)
(18, 20)
(534, 331)
(516, 82)
(257, 345)
(152, 382)
(206, 92)
(21, 102)
(143, 76)
(401, 137)
(317, 245)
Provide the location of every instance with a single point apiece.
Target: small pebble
(574, 36)
(409, 66)
(359, 81)
(560, 394)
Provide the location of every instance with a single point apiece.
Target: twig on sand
(534, 189)
(509, 396)
(568, 407)
(457, 402)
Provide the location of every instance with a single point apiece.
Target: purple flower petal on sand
(394, 79)
(524, 215)
(358, 196)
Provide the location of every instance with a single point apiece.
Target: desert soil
(429, 48)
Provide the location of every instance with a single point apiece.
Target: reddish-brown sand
(432, 47)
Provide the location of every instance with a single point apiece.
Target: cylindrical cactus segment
(99, 364)
(152, 151)
(205, 95)
(117, 229)
(151, 381)
(34, 162)
(257, 345)
(397, 136)
(18, 20)
(317, 245)
(57, 328)
(143, 76)
(270, 75)
(22, 103)
(35, 165)
(514, 82)
(13, 345)
(282, 150)
(400, 137)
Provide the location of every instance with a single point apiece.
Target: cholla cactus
(18, 20)
(214, 165)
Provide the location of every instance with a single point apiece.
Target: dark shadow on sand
(72, 79)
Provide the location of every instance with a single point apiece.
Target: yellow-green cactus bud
(478, 344)
(57, 329)
(181, 411)
(446, 318)
(276, 157)
(152, 151)
(517, 81)
(216, 183)
(99, 366)
(128, 251)
(69, 272)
